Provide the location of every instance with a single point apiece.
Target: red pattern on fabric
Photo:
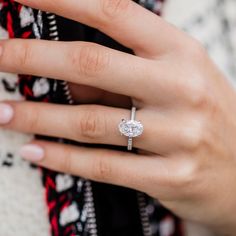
(10, 20)
(9, 26)
(54, 225)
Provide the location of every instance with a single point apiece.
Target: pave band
(131, 128)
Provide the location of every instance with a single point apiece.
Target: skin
(186, 156)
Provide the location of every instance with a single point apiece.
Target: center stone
(131, 128)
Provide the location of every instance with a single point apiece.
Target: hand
(187, 152)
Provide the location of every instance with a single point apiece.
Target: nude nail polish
(6, 113)
(32, 152)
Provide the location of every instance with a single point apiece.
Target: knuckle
(90, 60)
(197, 92)
(15, 54)
(92, 124)
(22, 54)
(114, 8)
(195, 50)
(184, 177)
(101, 170)
(66, 161)
(2, 54)
(32, 119)
(196, 88)
(195, 134)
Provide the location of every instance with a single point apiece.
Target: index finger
(123, 20)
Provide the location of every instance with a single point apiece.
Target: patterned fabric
(152, 5)
(68, 204)
(23, 208)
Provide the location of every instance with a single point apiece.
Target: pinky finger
(102, 165)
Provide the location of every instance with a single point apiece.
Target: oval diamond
(131, 128)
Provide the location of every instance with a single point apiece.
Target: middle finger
(78, 62)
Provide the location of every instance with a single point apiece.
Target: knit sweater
(23, 209)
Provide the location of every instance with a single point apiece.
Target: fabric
(23, 208)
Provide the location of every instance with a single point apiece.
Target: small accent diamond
(131, 128)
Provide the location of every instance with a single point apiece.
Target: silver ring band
(130, 139)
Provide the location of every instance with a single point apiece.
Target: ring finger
(90, 124)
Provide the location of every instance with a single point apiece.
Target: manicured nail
(6, 113)
(32, 152)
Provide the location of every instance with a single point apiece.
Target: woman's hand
(187, 152)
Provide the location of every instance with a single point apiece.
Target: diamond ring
(131, 128)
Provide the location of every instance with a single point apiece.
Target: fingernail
(32, 152)
(6, 113)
